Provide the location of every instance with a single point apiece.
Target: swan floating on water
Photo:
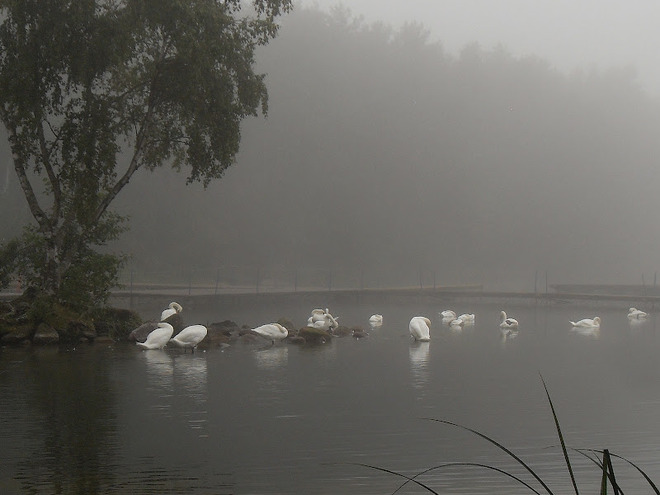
(158, 337)
(419, 328)
(172, 309)
(189, 337)
(272, 332)
(448, 313)
(506, 322)
(586, 323)
(376, 320)
(637, 313)
(466, 317)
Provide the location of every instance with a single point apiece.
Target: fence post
(258, 277)
(329, 280)
(217, 280)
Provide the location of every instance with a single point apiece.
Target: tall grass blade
(471, 464)
(616, 456)
(413, 480)
(561, 438)
(603, 479)
(501, 447)
(607, 461)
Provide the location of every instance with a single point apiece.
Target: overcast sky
(569, 34)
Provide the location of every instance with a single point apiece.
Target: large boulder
(314, 335)
(140, 333)
(115, 323)
(45, 335)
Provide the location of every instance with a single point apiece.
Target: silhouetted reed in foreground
(600, 458)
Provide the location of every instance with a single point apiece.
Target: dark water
(283, 420)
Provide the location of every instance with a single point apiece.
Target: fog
(386, 153)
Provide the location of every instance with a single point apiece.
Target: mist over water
(385, 155)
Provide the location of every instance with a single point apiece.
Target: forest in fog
(383, 153)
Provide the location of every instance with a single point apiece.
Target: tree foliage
(92, 91)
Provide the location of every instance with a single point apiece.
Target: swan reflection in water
(191, 383)
(507, 335)
(419, 360)
(160, 368)
(593, 332)
(272, 358)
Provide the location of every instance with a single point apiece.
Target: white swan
(419, 328)
(587, 322)
(457, 323)
(637, 313)
(376, 320)
(158, 337)
(506, 322)
(189, 337)
(172, 309)
(448, 313)
(272, 332)
(466, 317)
(324, 321)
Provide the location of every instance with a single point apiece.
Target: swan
(448, 313)
(587, 322)
(272, 331)
(466, 317)
(637, 313)
(190, 336)
(506, 322)
(376, 320)
(419, 328)
(172, 309)
(457, 323)
(158, 337)
(325, 321)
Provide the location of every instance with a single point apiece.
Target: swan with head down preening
(637, 314)
(172, 309)
(272, 332)
(586, 323)
(158, 338)
(190, 337)
(419, 327)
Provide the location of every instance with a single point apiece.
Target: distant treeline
(381, 151)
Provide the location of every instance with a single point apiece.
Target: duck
(419, 327)
(587, 322)
(190, 337)
(506, 322)
(158, 338)
(272, 332)
(376, 320)
(637, 313)
(172, 309)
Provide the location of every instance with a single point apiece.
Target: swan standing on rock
(189, 337)
(272, 332)
(172, 309)
(419, 327)
(506, 322)
(637, 313)
(323, 320)
(158, 337)
(587, 322)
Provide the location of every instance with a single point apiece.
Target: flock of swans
(188, 338)
(419, 327)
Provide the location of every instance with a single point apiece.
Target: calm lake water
(112, 419)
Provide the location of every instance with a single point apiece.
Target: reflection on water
(593, 332)
(272, 357)
(419, 353)
(289, 419)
